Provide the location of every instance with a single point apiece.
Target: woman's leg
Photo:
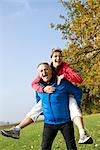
(76, 117)
(30, 118)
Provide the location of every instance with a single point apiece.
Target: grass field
(31, 136)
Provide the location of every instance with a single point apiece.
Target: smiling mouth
(45, 75)
(57, 61)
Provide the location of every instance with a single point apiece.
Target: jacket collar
(52, 81)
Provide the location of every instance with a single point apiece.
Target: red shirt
(64, 68)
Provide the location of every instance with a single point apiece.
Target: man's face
(45, 72)
(56, 59)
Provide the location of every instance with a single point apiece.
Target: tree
(81, 32)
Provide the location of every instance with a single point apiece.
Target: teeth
(45, 75)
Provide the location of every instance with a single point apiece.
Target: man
(55, 107)
(59, 68)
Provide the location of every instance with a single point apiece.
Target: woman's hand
(49, 89)
(60, 78)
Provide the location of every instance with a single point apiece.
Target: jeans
(50, 132)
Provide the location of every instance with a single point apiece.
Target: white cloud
(15, 1)
(27, 5)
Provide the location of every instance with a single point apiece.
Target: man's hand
(49, 89)
(59, 78)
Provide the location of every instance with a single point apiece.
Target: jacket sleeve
(71, 75)
(75, 91)
(37, 97)
(36, 86)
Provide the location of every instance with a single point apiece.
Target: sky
(26, 40)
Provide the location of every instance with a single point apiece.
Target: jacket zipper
(51, 109)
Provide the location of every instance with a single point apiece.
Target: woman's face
(56, 59)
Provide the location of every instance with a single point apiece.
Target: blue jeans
(50, 132)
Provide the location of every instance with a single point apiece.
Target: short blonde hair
(56, 50)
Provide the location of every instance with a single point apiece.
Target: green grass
(31, 137)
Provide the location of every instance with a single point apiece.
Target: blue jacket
(55, 106)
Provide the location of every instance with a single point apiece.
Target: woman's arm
(36, 86)
(71, 75)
